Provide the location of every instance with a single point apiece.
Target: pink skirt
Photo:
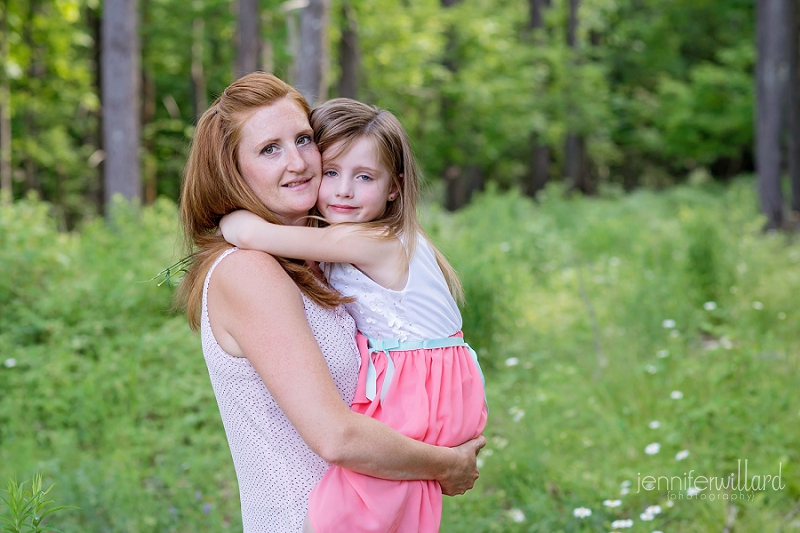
(435, 396)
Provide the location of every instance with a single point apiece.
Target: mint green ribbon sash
(389, 345)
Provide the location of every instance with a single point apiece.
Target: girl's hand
(461, 477)
(234, 226)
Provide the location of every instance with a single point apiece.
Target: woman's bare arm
(256, 312)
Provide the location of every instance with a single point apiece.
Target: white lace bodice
(275, 469)
(424, 309)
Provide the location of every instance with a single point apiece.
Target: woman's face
(279, 160)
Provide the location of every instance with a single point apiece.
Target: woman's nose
(295, 161)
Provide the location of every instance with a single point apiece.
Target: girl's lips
(342, 208)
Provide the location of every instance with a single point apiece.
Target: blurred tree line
(516, 92)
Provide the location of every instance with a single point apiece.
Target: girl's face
(355, 184)
(279, 160)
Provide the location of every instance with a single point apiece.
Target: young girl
(417, 374)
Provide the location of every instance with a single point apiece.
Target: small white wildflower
(668, 323)
(505, 247)
(516, 413)
(781, 316)
(622, 523)
(676, 395)
(651, 369)
(661, 354)
(655, 424)
(581, 512)
(681, 455)
(758, 306)
(670, 503)
(10, 362)
(674, 333)
(692, 491)
(653, 509)
(512, 361)
(652, 448)
(612, 503)
(625, 483)
(657, 531)
(516, 515)
(710, 306)
(624, 491)
(646, 516)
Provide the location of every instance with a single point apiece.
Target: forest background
(590, 168)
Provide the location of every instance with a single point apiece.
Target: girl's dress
(417, 376)
(275, 468)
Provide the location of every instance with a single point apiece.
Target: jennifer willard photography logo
(732, 487)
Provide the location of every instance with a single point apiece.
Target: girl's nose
(344, 188)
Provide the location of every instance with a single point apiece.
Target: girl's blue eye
(363, 177)
(330, 173)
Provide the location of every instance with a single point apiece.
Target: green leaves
(28, 508)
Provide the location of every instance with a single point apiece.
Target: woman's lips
(297, 184)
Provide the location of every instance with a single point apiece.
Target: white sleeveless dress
(275, 469)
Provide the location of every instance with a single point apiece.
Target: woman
(273, 334)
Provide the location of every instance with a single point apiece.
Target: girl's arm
(278, 342)
(347, 243)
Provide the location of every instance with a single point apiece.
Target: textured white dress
(275, 469)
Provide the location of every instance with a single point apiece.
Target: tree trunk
(248, 44)
(794, 107)
(771, 80)
(539, 164)
(267, 61)
(97, 159)
(198, 73)
(576, 160)
(312, 60)
(120, 78)
(460, 182)
(349, 54)
(6, 192)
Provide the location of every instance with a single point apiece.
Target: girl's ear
(394, 190)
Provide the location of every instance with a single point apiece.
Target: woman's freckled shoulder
(247, 267)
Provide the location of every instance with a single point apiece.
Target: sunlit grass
(591, 316)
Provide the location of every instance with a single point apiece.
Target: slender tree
(575, 156)
(248, 42)
(772, 69)
(120, 79)
(5, 111)
(794, 108)
(349, 53)
(198, 73)
(539, 163)
(312, 59)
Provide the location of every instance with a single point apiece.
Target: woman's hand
(461, 477)
(235, 227)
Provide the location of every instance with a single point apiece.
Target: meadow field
(629, 341)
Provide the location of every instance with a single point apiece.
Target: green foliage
(657, 88)
(567, 303)
(28, 508)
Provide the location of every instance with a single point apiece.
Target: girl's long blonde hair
(344, 121)
(213, 187)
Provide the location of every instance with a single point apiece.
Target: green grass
(106, 393)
